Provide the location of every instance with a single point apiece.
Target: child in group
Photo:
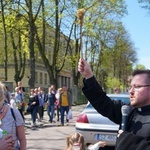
(57, 103)
(75, 141)
(12, 101)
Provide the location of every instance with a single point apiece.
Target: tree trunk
(32, 57)
(5, 40)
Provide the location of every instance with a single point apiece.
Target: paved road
(51, 136)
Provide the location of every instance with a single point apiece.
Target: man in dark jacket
(50, 99)
(137, 134)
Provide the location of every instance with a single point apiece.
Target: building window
(36, 77)
(69, 83)
(45, 79)
(59, 81)
(41, 78)
(64, 81)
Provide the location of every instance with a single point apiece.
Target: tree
(54, 59)
(140, 66)
(102, 30)
(53, 34)
(5, 37)
(29, 14)
(15, 51)
(146, 4)
(119, 59)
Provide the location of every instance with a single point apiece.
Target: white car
(95, 127)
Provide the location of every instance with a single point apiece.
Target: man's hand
(33, 103)
(119, 132)
(102, 143)
(85, 69)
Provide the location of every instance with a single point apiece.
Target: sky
(137, 23)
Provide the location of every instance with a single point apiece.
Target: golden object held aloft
(80, 15)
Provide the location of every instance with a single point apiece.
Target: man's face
(64, 88)
(17, 89)
(19, 84)
(53, 87)
(139, 91)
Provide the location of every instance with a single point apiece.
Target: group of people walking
(57, 102)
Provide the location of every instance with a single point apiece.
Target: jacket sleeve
(54, 98)
(37, 100)
(131, 141)
(101, 102)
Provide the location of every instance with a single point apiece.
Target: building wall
(41, 78)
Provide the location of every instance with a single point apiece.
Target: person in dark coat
(33, 103)
(137, 134)
(50, 99)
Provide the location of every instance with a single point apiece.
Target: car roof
(118, 95)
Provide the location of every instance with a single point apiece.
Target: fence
(77, 96)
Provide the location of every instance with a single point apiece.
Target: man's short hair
(139, 71)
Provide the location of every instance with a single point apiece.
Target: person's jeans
(63, 109)
(34, 114)
(50, 112)
(41, 111)
(58, 111)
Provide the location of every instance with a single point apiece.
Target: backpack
(12, 112)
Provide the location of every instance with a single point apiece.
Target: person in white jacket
(12, 101)
(75, 141)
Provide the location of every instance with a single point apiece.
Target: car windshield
(125, 100)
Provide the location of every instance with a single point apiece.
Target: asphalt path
(50, 136)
